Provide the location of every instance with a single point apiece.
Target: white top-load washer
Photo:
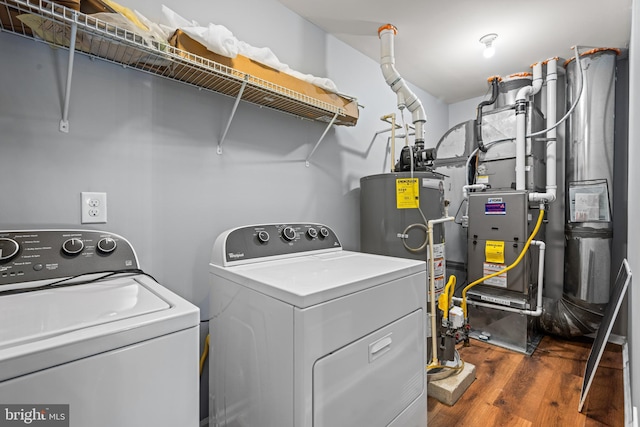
(304, 333)
(87, 339)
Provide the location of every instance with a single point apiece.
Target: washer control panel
(33, 255)
(269, 240)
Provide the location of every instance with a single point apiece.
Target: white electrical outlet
(93, 207)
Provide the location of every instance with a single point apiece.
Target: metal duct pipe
(589, 179)
(406, 98)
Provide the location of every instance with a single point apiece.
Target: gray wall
(150, 144)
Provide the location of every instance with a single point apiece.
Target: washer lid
(308, 280)
(42, 329)
(34, 316)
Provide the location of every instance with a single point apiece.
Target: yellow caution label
(407, 193)
(494, 251)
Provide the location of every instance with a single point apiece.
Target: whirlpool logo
(233, 255)
(34, 415)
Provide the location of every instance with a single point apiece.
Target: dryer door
(372, 380)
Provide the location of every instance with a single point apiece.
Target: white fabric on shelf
(219, 39)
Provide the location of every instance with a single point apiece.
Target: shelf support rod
(333, 120)
(64, 122)
(233, 113)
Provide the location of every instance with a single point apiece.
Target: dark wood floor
(512, 389)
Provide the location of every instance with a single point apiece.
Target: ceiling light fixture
(487, 41)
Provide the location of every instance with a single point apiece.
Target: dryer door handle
(379, 347)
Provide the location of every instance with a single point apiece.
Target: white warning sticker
(499, 280)
(438, 251)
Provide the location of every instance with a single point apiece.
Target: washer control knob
(72, 246)
(312, 232)
(263, 236)
(8, 248)
(288, 233)
(106, 245)
(324, 232)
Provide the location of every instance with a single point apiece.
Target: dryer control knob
(288, 233)
(8, 248)
(106, 245)
(72, 246)
(312, 232)
(263, 236)
(324, 232)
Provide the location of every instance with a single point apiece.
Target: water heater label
(407, 193)
(495, 208)
(438, 284)
(439, 268)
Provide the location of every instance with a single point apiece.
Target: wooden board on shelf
(245, 66)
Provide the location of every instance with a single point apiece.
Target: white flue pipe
(466, 188)
(465, 198)
(521, 124)
(551, 187)
(406, 97)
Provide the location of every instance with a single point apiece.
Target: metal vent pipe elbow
(406, 97)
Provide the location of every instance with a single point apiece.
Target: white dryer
(88, 339)
(304, 333)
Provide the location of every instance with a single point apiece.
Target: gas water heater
(402, 211)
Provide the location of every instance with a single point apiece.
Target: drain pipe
(406, 98)
(466, 188)
(552, 81)
(521, 124)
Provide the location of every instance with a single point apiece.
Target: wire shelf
(52, 23)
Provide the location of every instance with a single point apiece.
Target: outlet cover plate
(93, 207)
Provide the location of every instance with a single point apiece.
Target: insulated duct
(406, 98)
(589, 177)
